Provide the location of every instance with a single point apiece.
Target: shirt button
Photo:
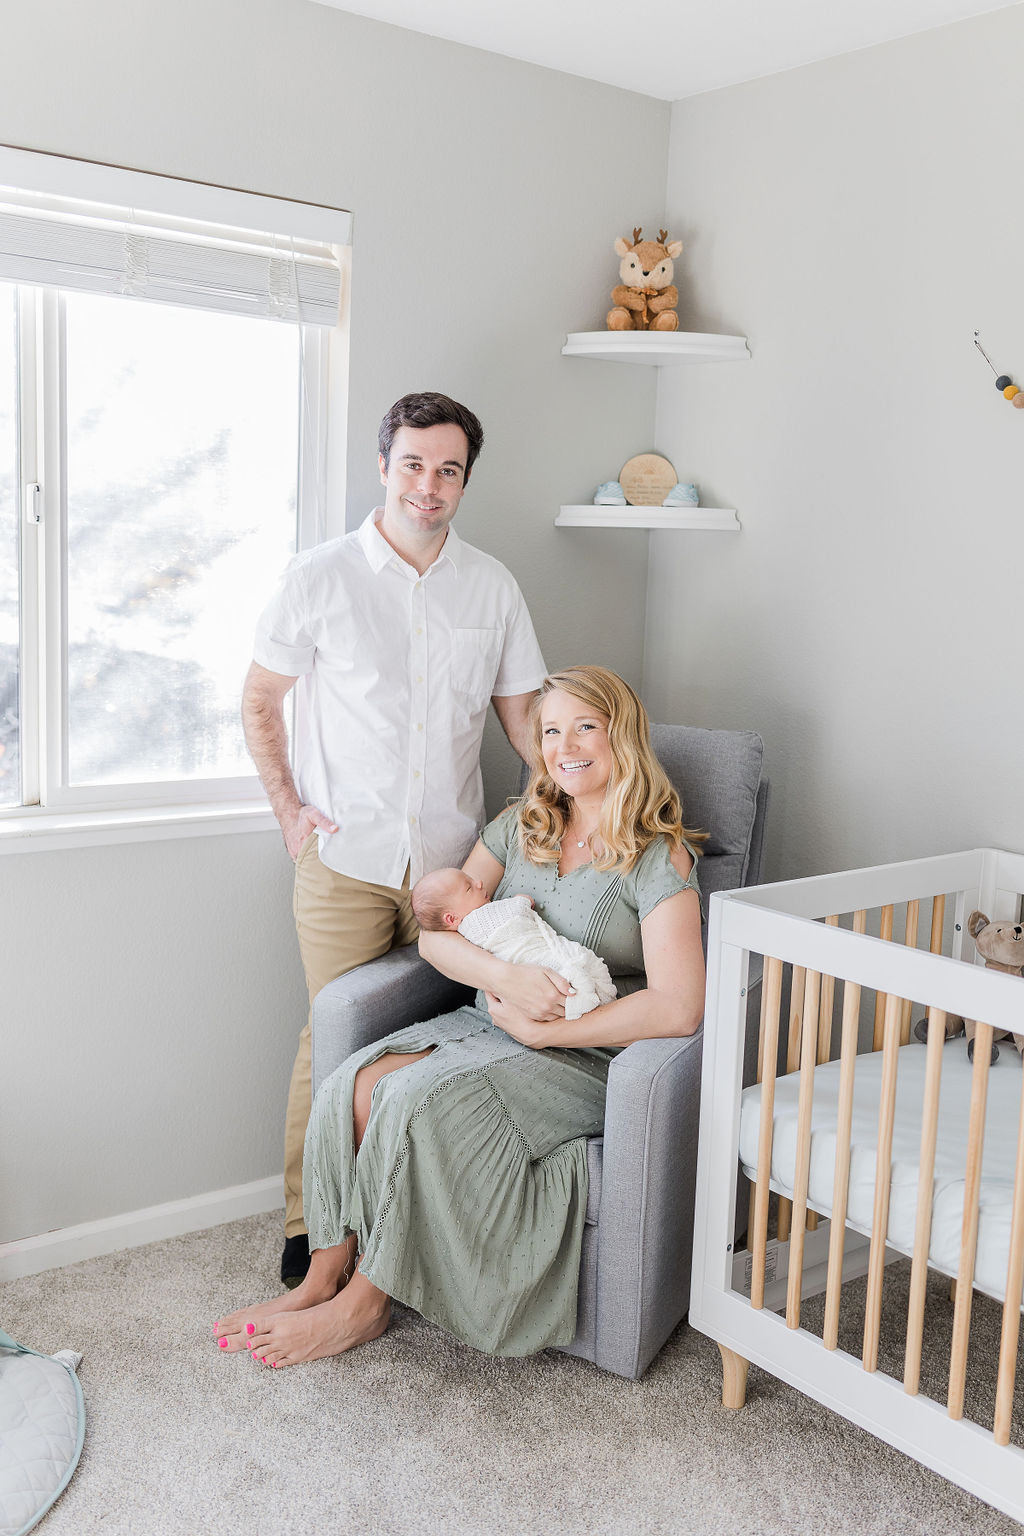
(419, 631)
(412, 820)
(419, 727)
(415, 773)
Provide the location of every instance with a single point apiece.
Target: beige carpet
(417, 1434)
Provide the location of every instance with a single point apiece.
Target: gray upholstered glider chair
(635, 1270)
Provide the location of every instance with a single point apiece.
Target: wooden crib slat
(844, 1125)
(969, 1229)
(796, 1015)
(1010, 1334)
(805, 1104)
(828, 992)
(923, 1228)
(883, 1176)
(760, 1075)
(938, 920)
(825, 1011)
(771, 1002)
(910, 940)
(785, 1218)
(884, 932)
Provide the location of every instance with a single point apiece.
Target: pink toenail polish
(223, 1343)
(274, 1364)
(250, 1327)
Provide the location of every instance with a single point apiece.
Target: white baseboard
(52, 1250)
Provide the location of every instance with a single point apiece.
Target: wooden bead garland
(1005, 385)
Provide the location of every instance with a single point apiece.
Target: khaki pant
(341, 923)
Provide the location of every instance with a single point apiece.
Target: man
(401, 634)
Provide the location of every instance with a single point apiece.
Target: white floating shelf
(707, 519)
(660, 348)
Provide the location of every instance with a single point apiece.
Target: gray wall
(152, 991)
(857, 219)
(151, 1000)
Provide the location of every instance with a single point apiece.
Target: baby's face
(464, 895)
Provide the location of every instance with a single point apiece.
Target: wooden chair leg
(734, 1378)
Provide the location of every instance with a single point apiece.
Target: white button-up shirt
(396, 672)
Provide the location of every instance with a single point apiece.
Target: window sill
(51, 831)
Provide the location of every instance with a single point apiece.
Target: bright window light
(182, 464)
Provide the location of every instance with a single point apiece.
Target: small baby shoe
(682, 496)
(609, 494)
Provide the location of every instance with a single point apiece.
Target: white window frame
(115, 812)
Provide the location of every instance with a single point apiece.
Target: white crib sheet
(995, 1206)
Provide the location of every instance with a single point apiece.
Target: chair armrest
(645, 1223)
(369, 1002)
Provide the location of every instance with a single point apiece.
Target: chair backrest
(718, 777)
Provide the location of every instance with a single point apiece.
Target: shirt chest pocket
(476, 654)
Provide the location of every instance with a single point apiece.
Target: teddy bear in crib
(646, 298)
(1002, 945)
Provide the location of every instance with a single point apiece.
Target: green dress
(469, 1192)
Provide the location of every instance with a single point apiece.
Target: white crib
(877, 1148)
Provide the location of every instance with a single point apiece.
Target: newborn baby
(513, 931)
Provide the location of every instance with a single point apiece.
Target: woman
(469, 1194)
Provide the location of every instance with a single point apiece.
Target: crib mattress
(1000, 1150)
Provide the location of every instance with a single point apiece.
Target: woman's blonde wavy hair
(640, 803)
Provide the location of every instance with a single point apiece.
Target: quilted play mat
(42, 1427)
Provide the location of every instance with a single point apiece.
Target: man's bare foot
(359, 1313)
(329, 1270)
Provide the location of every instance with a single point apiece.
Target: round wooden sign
(647, 479)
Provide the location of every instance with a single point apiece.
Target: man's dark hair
(429, 409)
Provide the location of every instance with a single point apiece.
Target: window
(162, 453)
(10, 661)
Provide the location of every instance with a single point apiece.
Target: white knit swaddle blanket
(513, 931)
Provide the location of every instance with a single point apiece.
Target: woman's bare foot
(359, 1313)
(330, 1269)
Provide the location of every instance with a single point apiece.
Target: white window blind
(145, 249)
(117, 253)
